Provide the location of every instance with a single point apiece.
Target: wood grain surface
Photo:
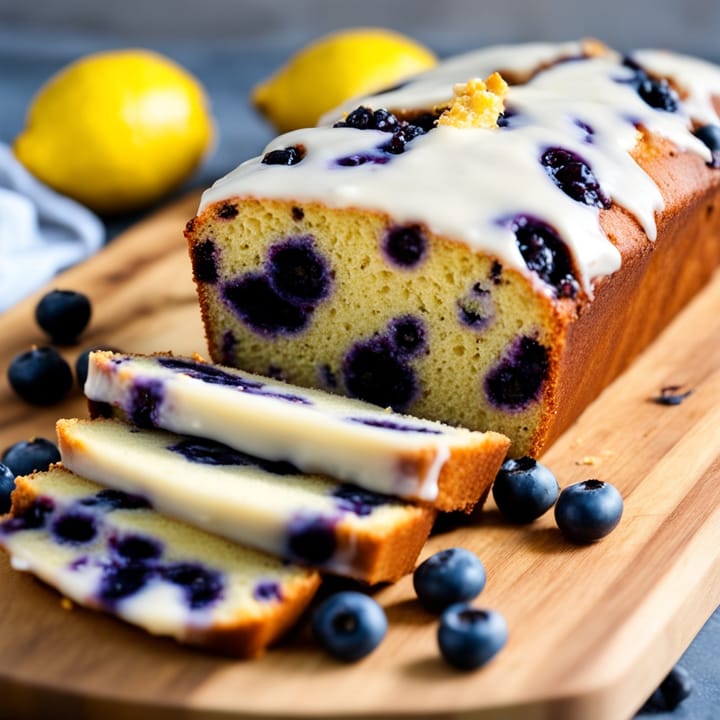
(593, 629)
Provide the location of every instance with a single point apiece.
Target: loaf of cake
(110, 551)
(316, 431)
(488, 245)
(269, 505)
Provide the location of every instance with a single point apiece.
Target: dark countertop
(228, 72)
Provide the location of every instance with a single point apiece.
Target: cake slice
(110, 551)
(270, 505)
(318, 432)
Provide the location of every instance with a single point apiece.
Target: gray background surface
(232, 44)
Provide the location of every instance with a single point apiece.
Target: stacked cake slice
(229, 494)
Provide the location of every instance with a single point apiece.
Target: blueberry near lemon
(40, 376)
(63, 314)
(349, 625)
(589, 510)
(524, 489)
(447, 577)
(470, 637)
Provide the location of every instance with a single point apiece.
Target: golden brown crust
(250, 637)
(467, 476)
(656, 280)
(390, 553)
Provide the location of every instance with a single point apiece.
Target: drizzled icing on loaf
(573, 105)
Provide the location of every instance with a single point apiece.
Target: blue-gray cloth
(41, 232)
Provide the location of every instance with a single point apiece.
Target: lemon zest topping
(476, 103)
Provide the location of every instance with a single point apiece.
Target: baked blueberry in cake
(110, 550)
(267, 504)
(315, 431)
(524, 226)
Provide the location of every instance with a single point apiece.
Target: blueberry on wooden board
(448, 577)
(524, 489)
(26, 456)
(589, 510)
(349, 625)
(63, 314)
(40, 376)
(470, 637)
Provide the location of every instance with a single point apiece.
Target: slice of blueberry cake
(267, 504)
(489, 254)
(316, 431)
(110, 551)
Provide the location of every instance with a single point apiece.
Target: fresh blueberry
(26, 456)
(574, 177)
(82, 361)
(284, 156)
(63, 314)
(470, 637)
(656, 92)
(349, 625)
(524, 489)
(710, 135)
(447, 577)
(588, 510)
(674, 689)
(545, 254)
(40, 376)
(7, 485)
(517, 380)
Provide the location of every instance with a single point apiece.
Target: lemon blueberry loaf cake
(110, 551)
(270, 505)
(316, 431)
(489, 254)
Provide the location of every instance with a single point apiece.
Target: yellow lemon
(336, 68)
(117, 130)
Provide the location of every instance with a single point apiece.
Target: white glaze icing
(315, 437)
(462, 183)
(240, 502)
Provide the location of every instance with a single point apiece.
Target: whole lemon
(335, 68)
(117, 130)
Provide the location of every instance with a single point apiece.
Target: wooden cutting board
(592, 629)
